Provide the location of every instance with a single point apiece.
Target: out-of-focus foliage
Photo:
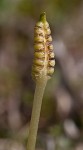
(61, 120)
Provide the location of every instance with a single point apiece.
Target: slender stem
(39, 91)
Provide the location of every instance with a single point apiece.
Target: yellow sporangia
(44, 62)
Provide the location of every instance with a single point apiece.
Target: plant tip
(43, 17)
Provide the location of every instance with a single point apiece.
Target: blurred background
(61, 121)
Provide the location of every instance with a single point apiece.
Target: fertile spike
(43, 64)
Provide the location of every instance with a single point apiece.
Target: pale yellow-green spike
(43, 50)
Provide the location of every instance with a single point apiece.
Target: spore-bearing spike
(43, 64)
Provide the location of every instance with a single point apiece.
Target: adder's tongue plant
(42, 70)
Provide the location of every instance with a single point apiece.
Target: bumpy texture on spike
(44, 62)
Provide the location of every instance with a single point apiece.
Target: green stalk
(39, 91)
